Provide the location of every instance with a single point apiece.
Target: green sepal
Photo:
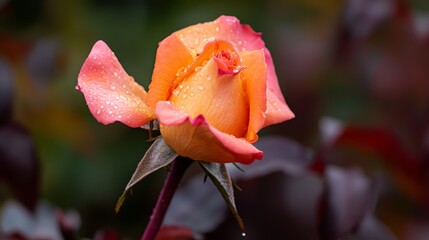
(221, 179)
(157, 156)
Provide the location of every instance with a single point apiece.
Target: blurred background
(354, 72)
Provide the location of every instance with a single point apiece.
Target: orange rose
(213, 88)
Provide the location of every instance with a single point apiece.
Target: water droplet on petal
(77, 87)
(98, 111)
(209, 77)
(115, 73)
(112, 87)
(107, 102)
(198, 68)
(184, 96)
(201, 87)
(110, 112)
(176, 92)
(243, 234)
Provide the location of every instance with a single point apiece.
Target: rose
(213, 88)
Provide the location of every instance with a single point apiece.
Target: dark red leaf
(19, 164)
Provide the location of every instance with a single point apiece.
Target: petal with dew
(111, 94)
(277, 109)
(215, 96)
(227, 28)
(171, 56)
(255, 75)
(189, 138)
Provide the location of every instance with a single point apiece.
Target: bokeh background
(355, 66)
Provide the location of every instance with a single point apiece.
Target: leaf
(280, 155)
(19, 163)
(157, 156)
(221, 179)
(6, 91)
(345, 188)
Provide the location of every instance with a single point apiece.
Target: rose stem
(174, 176)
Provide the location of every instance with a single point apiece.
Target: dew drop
(110, 112)
(184, 96)
(180, 86)
(112, 87)
(197, 69)
(201, 87)
(209, 77)
(176, 92)
(119, 116)
(107, 102)
(102, 106)
(243, 234)
(115, 73)
(217, 29)
(77, 87)
(98, 111)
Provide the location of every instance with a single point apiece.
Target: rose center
(228, 62)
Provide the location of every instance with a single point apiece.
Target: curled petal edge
(224, 147)
(111, 94)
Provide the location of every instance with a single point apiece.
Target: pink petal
(111, 94)
(196, 139)
(277, 110)
(243, 38)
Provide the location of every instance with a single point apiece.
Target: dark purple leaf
(372, 228)
(157, 156)
(280, 155)
(6, 91)
(197, 205)
(42, 61)
(19, 165)
(348, 197)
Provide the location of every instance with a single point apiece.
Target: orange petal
(111, 94)
(171, 56)
(215, 96)
(196, 139)
(277, 109)
(255, 76)
(227, 28)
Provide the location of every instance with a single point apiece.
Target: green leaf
(220, 177)
(157, 156)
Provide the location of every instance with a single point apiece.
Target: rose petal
(189, 138)
(243, 38)
(277, 109)
(215, 96)
(226, 28)
(111, 94)
(255, 75)
(171, 56)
